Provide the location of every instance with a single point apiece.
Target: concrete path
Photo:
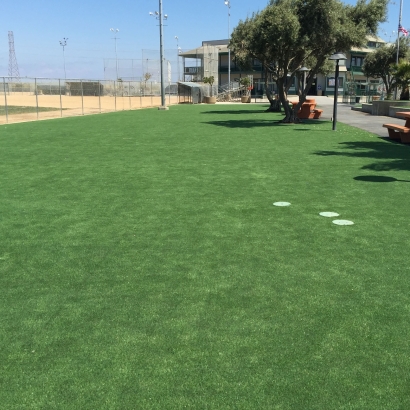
(358, 119)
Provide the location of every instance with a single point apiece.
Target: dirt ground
(68, 106)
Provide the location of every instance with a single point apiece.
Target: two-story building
(212, 59)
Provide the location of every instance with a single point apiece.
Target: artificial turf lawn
(143, 265)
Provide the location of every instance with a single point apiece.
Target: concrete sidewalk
(358, 119)
(345, 114)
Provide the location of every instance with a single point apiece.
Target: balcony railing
(356, 69)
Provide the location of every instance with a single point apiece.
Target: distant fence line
(28, 99)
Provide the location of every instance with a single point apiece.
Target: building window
(331, 82)
(356, 61)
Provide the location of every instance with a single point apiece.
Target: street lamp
(115, 31)
(63, 43)
(159, 16)
(228, 3)
(336, 57)
(304, 70)
(176, 38)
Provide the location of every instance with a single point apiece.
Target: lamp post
(63, 43)
(304, 70)
(336, 57)
(159, 16)
(398, 43)
(176, 38)
(228, 3)
(115, 31)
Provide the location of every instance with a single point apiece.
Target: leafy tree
(401, 74)
(209, 80)
(380, 63)
(147, 77)
(288, 34)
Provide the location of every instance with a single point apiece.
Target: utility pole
(63, 43)
(115, 31)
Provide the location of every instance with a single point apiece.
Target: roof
(203, 49)
(193, 53)
(374, 39)
(190, 84)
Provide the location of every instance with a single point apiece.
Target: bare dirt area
(68, 106)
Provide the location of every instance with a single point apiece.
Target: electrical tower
(13, 66)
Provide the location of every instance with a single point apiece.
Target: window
(331, 82)
(356, 61)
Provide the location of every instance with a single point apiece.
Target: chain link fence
(30, 99)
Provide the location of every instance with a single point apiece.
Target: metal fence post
(5, 100)
(61, 101)
(129, 93)
(35, 91)
(99, 96)
(115, 97)
(82, 98)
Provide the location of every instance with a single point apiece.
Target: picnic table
(400, 132)
(406, 116)
(307, 109)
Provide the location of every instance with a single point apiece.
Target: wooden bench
(398, 132)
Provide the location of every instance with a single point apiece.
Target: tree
(209, 80)
(401, 75)
(288, 34)
(380, 63)
(147, 77)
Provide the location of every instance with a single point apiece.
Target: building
(212, 59)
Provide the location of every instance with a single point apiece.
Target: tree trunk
(290, 114)
(274, 103)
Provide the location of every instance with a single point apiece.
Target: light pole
(398, 42)
(160, 17)
(304, 70)
(115, 31)
(63, 43)
(336, 57)
(176, 38)
(228, 3)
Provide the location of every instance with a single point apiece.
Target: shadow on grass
(254, 123)
(378, 178)
(391, 157)
(251, 111)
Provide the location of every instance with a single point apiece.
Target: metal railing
(30, 99)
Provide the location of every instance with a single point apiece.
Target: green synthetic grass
(143, 265)
(21, 109)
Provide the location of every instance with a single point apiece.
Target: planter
(246, 99)
(209, 100)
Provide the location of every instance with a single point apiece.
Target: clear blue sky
(38, 27)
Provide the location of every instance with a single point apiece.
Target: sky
(39, 26)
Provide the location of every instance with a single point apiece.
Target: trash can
(357, 99)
